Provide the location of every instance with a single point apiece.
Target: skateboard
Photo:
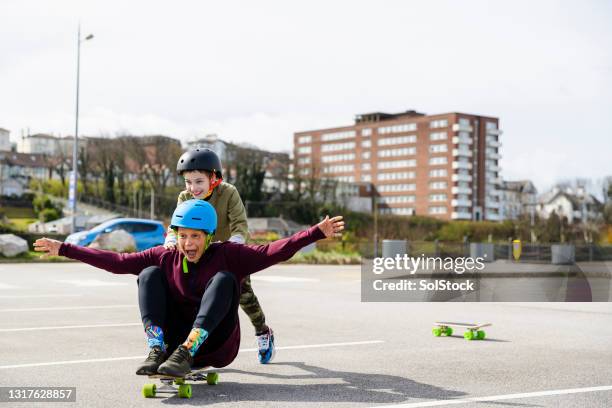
(178, 385)
(472, 332)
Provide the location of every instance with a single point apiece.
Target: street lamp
(72, 195)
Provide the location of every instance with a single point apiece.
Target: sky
(258, 71)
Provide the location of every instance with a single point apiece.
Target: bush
(326, 258)
(49, 214)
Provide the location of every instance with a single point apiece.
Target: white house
(518, 198)
(5, 141)
(576, 205)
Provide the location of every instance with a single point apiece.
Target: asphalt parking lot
(71, 325)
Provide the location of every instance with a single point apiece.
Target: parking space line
(88, 326)
(34, 296)
(102, 360)
(53, 309)
(440, 403)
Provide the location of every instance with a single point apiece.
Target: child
(201, 169)
(195, 314)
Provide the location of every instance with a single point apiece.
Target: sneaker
(155, 358)
(178, 364)
(265, 344)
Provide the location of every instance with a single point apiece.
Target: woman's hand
(332, 227)
(50, 247)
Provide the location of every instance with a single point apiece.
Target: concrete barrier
(564, 254)
(485, 251)
(392, 247)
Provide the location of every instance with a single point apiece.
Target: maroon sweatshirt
(187, 289)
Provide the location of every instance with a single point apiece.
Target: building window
(396, 211)
(365, 166)
(304, 150)
(437, 197)
(366, 143)
(438, 185)
(342, 168)
(491, 125)
(337, 135)
(437, 136)
(394, 188)
(397, 140)
(436, 161)
(397, 199)
(438, 173)
(438, 148)
(438, 123)
(404, 151)
(406, 127)
(366, 177)
(337, 146)
(464, 122)
(396, 164)
(304, 139)
(366, 155)
(304, 160)
(437, 210)
(338, 157)
(396, 176)
(366, 132)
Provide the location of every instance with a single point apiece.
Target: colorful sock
(155, 337)
(195, 339)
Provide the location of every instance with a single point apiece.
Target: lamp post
(72, 195)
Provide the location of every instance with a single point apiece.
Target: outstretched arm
(108, 260)
(247, 259)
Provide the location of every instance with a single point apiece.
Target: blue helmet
(195, 214)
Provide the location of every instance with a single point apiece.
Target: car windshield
(103, 226)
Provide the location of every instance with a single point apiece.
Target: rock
(118, 241)
(11, 245)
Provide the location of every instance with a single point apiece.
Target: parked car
(146, 233)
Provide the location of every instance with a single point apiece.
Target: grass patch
(18, 212)
(21, 224)
(33, 256)
(326, 258)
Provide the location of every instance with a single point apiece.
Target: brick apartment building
(444, 165)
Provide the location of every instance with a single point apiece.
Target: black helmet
(199, 159)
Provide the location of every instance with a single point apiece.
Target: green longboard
(178, 385)
(472, 330)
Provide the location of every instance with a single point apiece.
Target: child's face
(192, 243)
(197, 183)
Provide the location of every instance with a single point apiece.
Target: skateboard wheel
(469, 335)
(449, 331)
(184, 391)
(212, 378)
(480, 334)
(148, 390)
(179, 381)
(436, 331)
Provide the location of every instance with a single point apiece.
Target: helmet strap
(207, 242)
(213, 185)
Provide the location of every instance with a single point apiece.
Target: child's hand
(332, 227)
(170, 245)
(50, 247)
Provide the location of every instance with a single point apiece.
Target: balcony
(494, 180)
(461, 216)
(461, 190)
(462, 140)
(492, 204)
(493, 217)
(494, 168)
(462, 177)
(494, 193)
(462, 165)
(462, 152)
(493, 143)
(462, 128)
(461, 203)
(494, 132)
(494, 156)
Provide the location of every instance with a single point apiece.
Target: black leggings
(218, 312)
